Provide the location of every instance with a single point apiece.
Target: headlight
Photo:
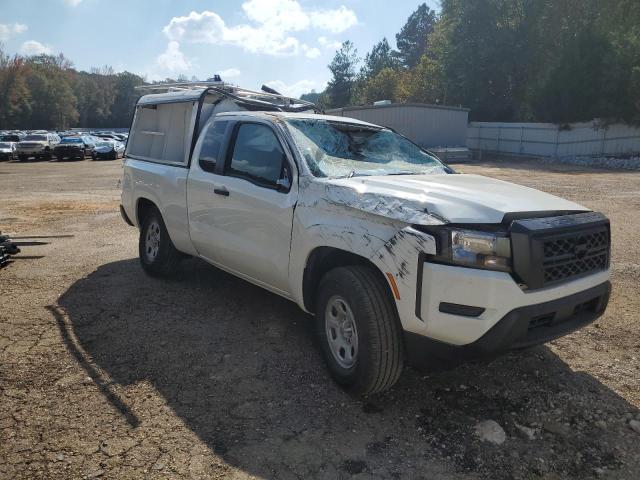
(475, 249)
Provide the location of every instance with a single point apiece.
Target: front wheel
(359, 331)
(158, 256)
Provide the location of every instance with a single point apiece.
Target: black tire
(166, 258)
(380, 354)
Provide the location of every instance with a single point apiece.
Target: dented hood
(438, 199)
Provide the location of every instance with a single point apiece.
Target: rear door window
(211, 146)
(257, 155)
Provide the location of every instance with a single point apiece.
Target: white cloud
(173, 60)
(229, 73)
(334, 21)
(295, 89)
(310, 52)
(329, 44)
(285, 15)
(72, 3)
(270, 32)
(31, 47)
(8, 30)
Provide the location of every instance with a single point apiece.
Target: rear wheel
(358, 329)
(158, 256)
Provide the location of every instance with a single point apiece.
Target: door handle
(221, 191)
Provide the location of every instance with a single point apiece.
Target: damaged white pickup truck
(400, 259)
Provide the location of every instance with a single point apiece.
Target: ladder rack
(231, 90)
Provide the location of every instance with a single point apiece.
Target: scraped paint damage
(399, 255)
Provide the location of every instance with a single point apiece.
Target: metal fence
(549, 140)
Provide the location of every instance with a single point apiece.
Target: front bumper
(68, 153)
(496, 293)
(30, 151)
(519, 328)
(104, 155)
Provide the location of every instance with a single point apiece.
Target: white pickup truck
(400, 259)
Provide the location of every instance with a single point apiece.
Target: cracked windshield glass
(340, 149)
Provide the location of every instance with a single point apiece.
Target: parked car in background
(7, 150)
(74, 147)
(11, 137)
(37, 145)
(108, 136)
(108, 150)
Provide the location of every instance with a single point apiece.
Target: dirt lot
(106, 373)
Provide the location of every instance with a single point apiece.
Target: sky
(286, 44)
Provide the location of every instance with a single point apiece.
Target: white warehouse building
(439, 128)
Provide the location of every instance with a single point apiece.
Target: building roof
(398, 105)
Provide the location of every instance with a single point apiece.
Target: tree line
(554, 61)
(46, 92)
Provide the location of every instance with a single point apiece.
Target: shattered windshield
(340, 149)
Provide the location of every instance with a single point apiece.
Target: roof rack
(265, 98)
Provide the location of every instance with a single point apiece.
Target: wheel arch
(143, 207)
(323, 259)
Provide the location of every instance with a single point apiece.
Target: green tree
(588, 81)
(383, 86)
(343, 71)
(380, 57)
(15, 98)
(312, 96)
(53, 101)
(412, 41)
(125, 98)
(424, 83)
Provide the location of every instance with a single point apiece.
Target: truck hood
(437, 199)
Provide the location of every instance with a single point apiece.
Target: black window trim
(230, 146)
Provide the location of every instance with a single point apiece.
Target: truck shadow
(240, 368)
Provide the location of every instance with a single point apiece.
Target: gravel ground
(106, 373)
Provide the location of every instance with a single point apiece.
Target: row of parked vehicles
(23, 146)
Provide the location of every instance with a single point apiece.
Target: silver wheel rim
(341, 331)
(152, 241)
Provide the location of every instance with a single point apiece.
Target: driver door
(241, 209)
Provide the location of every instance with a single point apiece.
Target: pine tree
(412, 41)
(343, 71)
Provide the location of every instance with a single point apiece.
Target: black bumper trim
(125, 217)
(520, 328)
(459, 309)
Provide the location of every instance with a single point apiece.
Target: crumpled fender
(407, 210)
(399, 255)
(403, 209)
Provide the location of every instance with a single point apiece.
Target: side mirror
(284, 182)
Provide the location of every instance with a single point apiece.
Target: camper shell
(166, 123)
